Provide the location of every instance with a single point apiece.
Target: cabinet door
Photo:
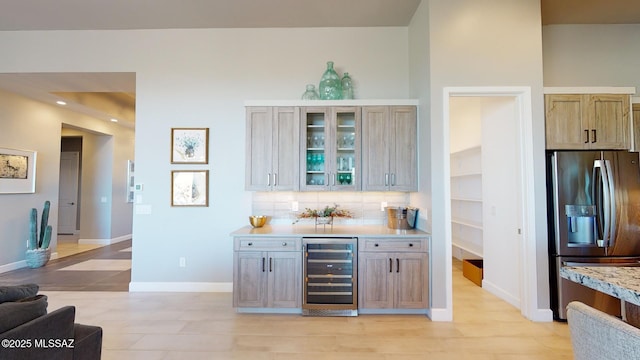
(411, 287)
(403, 149)
(314, 134)
(636, 127)
(609, 121)
(249, 285)
(375, 148)
(566, 125)
(259, 143)
(344, 151)
(286, 155)
(375, 280)
(285, 279)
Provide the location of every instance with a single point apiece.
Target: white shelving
(466, 202)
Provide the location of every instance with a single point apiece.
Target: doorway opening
(487, 130)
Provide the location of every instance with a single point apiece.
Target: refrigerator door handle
(612, 204)
(600, 187)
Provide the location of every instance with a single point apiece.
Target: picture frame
(131, 185)
(189, 145)
(17, 171)
(190, 188)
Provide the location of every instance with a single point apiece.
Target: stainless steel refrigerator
(593, 212)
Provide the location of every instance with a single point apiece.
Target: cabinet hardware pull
(410, 245)
(328, 179)
(275, 179)
(250, 244)
(586, 136)
(270, 264)
(269, 179)
(334, 180)
(263, 260)
(284, 244)
(393, 179)
(376, 245)
(593, 132)
(397, 265)
(386, 179)
(390, 265)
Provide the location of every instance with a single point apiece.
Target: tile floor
(205, 326)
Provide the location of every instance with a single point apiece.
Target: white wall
(591, 55)
(31, 125)
(465, 122)
(200, 78)
(483, 43)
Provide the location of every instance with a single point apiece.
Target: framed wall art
(189, 145)
(131, 185)
(17, 171)
(190, 188)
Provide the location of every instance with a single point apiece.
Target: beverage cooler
(330, 281)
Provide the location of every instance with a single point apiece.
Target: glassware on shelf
(330, 84)
(311, 93)
(347, 86)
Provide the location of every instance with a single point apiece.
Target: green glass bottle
(330, 84)
(347, 87)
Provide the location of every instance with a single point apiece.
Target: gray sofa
(28, 332)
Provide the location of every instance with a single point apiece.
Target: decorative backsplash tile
(365, 206)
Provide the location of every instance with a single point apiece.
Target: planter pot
(324, 221)
(38, 257)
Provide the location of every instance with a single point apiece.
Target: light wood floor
(205, 326)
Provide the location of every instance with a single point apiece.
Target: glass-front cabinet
(331, 148)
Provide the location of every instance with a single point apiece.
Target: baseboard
(13, 266)
(105, 241)
(180, 287)
(440, 314)
(490, 287)
(542, 315)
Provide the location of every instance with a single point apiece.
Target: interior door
(68, 193)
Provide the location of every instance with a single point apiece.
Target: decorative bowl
(257, 221)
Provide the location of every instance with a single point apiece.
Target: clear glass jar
(311, 93)
(347, 86)
(330, 84)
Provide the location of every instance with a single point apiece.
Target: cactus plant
(42, 240)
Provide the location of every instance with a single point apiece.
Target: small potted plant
(324, 216)
(38, 251)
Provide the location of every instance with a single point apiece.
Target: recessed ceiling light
(60, 102)
(114, 120)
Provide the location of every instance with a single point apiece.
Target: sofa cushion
(17, 292)
(16, 313)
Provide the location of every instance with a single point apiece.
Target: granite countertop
(300, 230)
(618, 281)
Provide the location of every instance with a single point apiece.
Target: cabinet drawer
(267, 244)
(394, 244)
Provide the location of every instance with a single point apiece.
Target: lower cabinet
(267, 273)
(393, 274)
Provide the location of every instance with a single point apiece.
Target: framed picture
(190, 188)
(189, 145)
(17, 171)
(131, 185)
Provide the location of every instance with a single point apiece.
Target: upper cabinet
(330, 148)
(389, 142)
(347, 145)
(588, 121)
(272, 148)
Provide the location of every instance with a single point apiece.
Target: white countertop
(617, 281)
(303, 230)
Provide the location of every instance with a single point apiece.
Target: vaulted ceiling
(112, 95)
